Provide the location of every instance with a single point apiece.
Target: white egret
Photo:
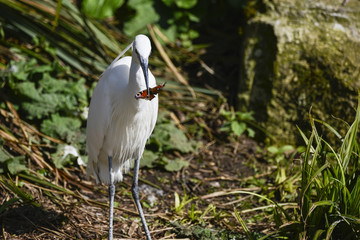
(119, 124)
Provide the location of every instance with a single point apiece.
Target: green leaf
(318, 204)
(286, 148)
(66, 128)
(42, 69)
(331, 229)
(186, 4)
(228, 115)
(145, 14)
(148, 159)
(168, 137)
(170, 33)
(273, 149)
(245, 116)
(16, 165)
(251, 132)
(102, 8)
(243, 225)
(193, 18)
(4, 156)
(238, 128)
(176, 165)
(20, 70)
(318, 234)
(193, 34)
(43, 93)
(29, 90)
(13, 164)
(168, 2)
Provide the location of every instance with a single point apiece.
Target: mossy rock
(299, 55)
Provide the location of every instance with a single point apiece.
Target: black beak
(144, 66)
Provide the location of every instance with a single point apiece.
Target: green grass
(327, 202)
(329, 196)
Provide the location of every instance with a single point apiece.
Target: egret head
(142, 49)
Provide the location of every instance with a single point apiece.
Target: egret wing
(97, 122)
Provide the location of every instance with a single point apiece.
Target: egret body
(119, 125)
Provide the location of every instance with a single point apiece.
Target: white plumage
(119, 125)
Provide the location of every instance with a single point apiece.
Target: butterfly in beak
(153, 91)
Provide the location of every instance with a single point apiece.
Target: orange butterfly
(153, 91)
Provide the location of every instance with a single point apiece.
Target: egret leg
(135, 194)
(111, 198)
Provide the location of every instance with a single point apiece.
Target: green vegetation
(206, 176)
(42, 94)
(237, 123)
(330, 187)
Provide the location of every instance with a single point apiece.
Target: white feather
(119, 125)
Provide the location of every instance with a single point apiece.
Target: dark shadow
(27, 219)
(221, 29)
(263, 53)
(219, 39)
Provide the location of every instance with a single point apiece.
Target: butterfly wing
(153, 91)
